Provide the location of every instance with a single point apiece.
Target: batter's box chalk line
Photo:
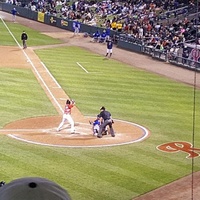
(80, 129)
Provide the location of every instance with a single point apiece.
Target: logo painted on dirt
(175, 147)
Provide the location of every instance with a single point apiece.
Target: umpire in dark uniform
(24, 38)
(107, 120)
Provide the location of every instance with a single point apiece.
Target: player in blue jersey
(109, 47)
(96, 125)
(14, 13)
(102, 38)
(96, 36)
(76, 27)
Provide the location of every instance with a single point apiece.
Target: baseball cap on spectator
(33, 188)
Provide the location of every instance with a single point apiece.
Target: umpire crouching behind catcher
(107, 120)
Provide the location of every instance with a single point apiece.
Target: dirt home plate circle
(42, 131)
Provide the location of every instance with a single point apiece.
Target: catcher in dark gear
(96, 126)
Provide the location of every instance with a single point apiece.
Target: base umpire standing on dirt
(24, 38)
(107, 120)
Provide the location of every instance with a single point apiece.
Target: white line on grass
(33, 66)
(81, 67)
(11, 33)
(50, 75)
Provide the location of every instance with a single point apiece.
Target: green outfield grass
(34, 37)
(22, 96)
(163, 106)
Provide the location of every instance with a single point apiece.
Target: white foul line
(33, 66)
(50, 75)
(81, 67)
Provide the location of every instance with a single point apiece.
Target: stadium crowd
(143, 21)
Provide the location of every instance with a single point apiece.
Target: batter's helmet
(68, 101)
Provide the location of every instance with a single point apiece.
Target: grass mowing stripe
(5, 37)
(100, 166)
(150, 100)
(35, 38)
(71, 171)
(23, 97)
(150, 93)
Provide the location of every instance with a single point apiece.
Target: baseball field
(155, 154)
